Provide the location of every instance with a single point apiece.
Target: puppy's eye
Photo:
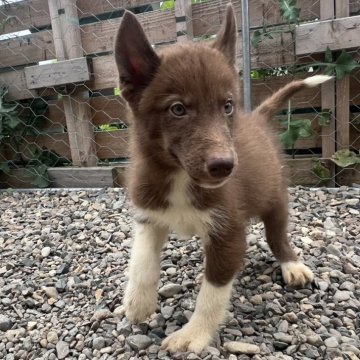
(178, 109)
(229, 107)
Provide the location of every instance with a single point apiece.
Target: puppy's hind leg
(294, 272)
(144, 272)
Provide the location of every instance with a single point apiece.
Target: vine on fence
(15, 125)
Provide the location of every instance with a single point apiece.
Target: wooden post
(183, 18)
(342, 9)
(67, 42)
(328, 132)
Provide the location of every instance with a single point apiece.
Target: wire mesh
(85, 123)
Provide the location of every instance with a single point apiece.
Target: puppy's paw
(186, 339)
(139, 303)
(296, 274)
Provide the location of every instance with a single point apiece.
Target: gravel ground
(63, 265)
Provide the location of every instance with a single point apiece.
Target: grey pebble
(139, 342)
(169, 290)
(5, 323)
(62, 349)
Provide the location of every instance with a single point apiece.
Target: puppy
(199, 166)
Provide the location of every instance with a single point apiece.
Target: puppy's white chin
(213, 186)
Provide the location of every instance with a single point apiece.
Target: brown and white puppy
(199, 165)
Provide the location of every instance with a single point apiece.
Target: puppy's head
(184, 99)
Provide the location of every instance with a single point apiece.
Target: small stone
(43, 343)
(62, 349)
(256, 299)
(283, 337)
(352, 202)
(283, 326)
(119, 311)
(332, 249)
(45, 251)
(15, 334)
(347, 285)
(31, 325)
(328, 224)
(342, 295)
(237, 347)
(331, 342)
(52, 337)
(5, 323)
(169, 290)
(139, 342)
(167, 312)
(98, 343)
(50, 292)
(290, 317)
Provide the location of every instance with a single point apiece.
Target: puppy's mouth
(211, 184)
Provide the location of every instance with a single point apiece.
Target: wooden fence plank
(336, 34)
(208, 16)
(35, 13)
(64, 72)
(342, 9)
(327, 11)
(109, 145)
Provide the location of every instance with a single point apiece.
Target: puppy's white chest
(180, 216)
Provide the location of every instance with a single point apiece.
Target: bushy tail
(275, 102)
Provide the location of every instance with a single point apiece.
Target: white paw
(186, 339)
(139, 303)
(295, 273)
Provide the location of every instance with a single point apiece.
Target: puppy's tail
(274, 103)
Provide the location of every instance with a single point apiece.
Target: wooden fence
(79, 88)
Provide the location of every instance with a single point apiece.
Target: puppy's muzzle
(220, 167)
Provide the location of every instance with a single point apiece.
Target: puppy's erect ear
(136, 60)
(226, 37)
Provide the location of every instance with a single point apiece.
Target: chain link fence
(64, 123)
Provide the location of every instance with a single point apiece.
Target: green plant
(345, 157)
(289, 12)
(295, 129)
(320, 170)
(15, 125)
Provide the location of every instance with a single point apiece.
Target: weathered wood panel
(60, 73)
(84, 177)
(109, 145)
(336, 34)
(35, 13)
(27, 49)
(160, 26)
(208, 16)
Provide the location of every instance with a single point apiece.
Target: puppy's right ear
(226, 38)
(136, 60)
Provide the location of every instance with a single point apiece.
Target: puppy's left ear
(226, 37)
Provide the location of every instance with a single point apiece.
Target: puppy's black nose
(220, 167)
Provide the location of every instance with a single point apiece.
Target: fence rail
(79, 116)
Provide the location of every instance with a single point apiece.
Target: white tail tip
(316, 80)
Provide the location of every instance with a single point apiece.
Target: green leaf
(328, 56)
(40, 176)
(12, 121)
(324, 117)
(321, 171)
(5, 167)
(289, 12)
(345, 158)
(289, 137)
(167, 5)
(256, 39)
(345, 64)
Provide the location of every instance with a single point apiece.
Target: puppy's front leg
(224, 256)
(144, 272)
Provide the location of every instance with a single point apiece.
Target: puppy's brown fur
(166, 147)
